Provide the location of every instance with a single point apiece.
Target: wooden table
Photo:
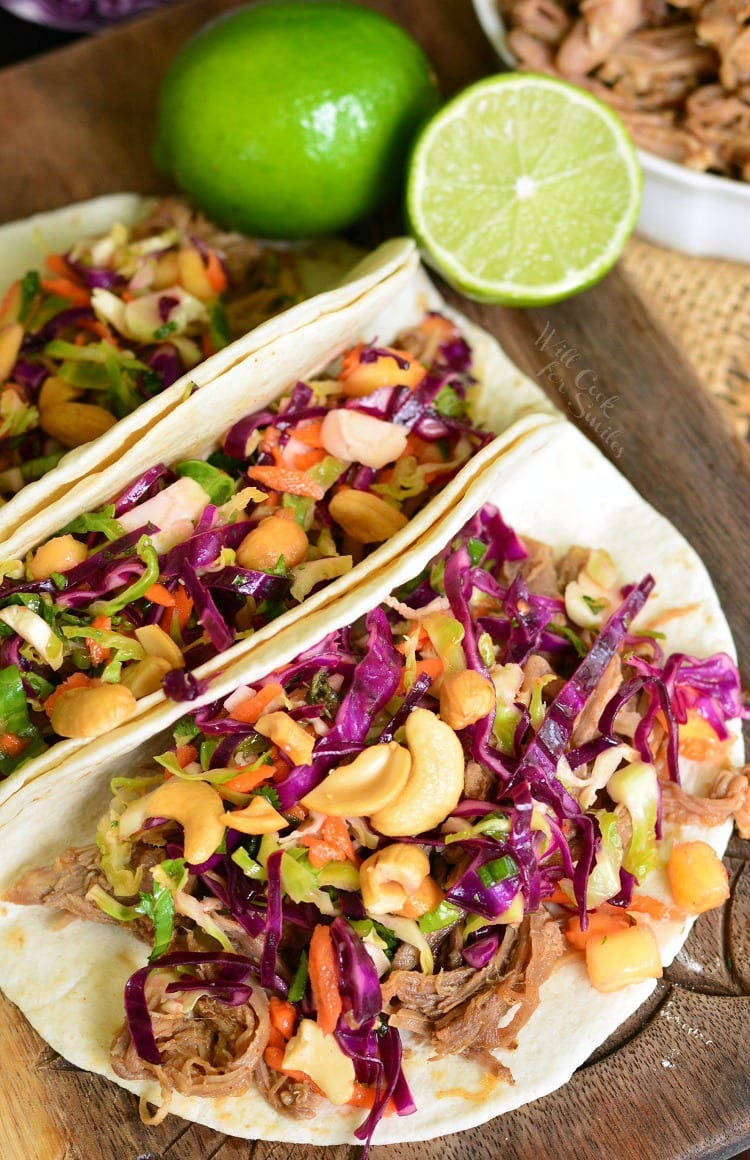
(78, 122)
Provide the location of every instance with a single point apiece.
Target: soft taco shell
(391, 292)
(68, 980)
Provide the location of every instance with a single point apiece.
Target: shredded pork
(729, 797)
(469, 1012)
(261, 281)
(678, 73)
(210, 1049)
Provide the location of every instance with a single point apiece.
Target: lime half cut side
(523, 190)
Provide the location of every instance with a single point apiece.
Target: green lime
(293, 118)
(523, 190)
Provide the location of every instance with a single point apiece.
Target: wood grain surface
(674, 1083)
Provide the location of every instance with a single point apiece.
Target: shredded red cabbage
(359, 979)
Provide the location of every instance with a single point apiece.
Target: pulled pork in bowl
(678, 75)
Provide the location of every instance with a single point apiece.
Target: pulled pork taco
(357, 897)
(107, 304)
(306, 468)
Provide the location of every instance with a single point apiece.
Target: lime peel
(523, 190)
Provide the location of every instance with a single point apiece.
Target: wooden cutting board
(675, 1082)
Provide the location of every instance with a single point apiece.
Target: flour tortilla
(390, 292)
(68, 980)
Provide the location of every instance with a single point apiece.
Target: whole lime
(292, 118)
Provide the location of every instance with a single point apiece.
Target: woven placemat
(704, 305)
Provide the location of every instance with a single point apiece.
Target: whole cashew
(435, 782)
(194, 804)
(397, 880)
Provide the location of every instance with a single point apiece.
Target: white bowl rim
(713, 183)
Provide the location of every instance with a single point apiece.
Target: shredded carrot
(422, 638)
(559, 897)
(67, 289)
(644, 904)
(275, 1038)
(310, 434)
(207, 344)
(74, 681)
(280, 766)
(305, 460)
(56, 264)
(433, 667)
(364, 1097)
(269, 444)
(283, 1016)
(10, 303)
(100, 329)
(350, 360)
(11, 744)
(99, 653)
(274, 1057)
(324, 979)
(255, 706)
(158, 594)
(248, 779)
(215, 275)
(600, 923)
(422, 451)
(286, 479)
(184, 754)
(333, 844)
(183, 606)
(127, 295)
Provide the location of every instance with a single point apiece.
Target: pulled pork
(677, 72)
(729, 797)
(208, 1048)
(469, 1012)
(298, 1098)
(64, 886)
(261, 281)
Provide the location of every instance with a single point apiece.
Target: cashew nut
(397, 880)
(258, 817)
(194, 804)
(59, 554)
(365, 517)
(288, 734)
(157, 643)
(11, 337)
(273, 538)
(145, 676)
(55, 391)
(192, 274)
(465, 698)
(91, 711)
(372, 781)
(360, 438)
(426, 898)
(435, 782)
(73, 424)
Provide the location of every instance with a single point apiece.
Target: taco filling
(116, 320)
(394, 838)
(190, 559)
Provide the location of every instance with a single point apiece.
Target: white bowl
(697, 213)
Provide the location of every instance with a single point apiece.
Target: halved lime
(523, 190)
